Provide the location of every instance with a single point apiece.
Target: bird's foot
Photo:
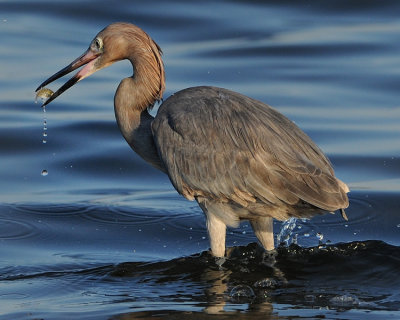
(269, 258)
(219, 261)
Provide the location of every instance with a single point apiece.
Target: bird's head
(116, 42)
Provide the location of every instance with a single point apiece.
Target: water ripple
(15, 230)
(50, 209)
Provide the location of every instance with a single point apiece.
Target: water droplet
(244, 232)
(204, 238)
(306, 234)
(398, 226)
(320, 236)
(44, 134)
(44, 173)
(242, 293)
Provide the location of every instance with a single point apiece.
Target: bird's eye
(98, 44)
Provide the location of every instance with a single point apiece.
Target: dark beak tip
(85, 58)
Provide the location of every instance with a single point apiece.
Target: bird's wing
(223, 145)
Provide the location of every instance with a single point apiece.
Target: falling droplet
(44, 124)
(44, 141)
(320, 236)
(44, 172)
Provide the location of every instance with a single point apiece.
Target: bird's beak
(88, 59)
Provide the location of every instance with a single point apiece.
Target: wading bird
(236, 156)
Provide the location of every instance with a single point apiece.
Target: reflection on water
(79, 253)
(317, 279)
(106, 236)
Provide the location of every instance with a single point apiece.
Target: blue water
(105, 236)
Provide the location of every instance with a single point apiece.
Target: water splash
(286, 233)
(346, 300)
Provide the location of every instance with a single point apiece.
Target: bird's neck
(134, 121)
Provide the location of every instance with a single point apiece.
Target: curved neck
(134, 121)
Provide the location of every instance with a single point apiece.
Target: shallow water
(105, 236)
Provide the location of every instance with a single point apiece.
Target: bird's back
(243, 157)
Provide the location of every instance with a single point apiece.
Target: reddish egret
(236, 156)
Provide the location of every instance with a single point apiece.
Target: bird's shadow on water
(344, 276)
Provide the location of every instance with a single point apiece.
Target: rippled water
(105, 236)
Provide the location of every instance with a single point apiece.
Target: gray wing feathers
(222, 145)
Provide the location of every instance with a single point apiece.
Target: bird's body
(236, 156)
